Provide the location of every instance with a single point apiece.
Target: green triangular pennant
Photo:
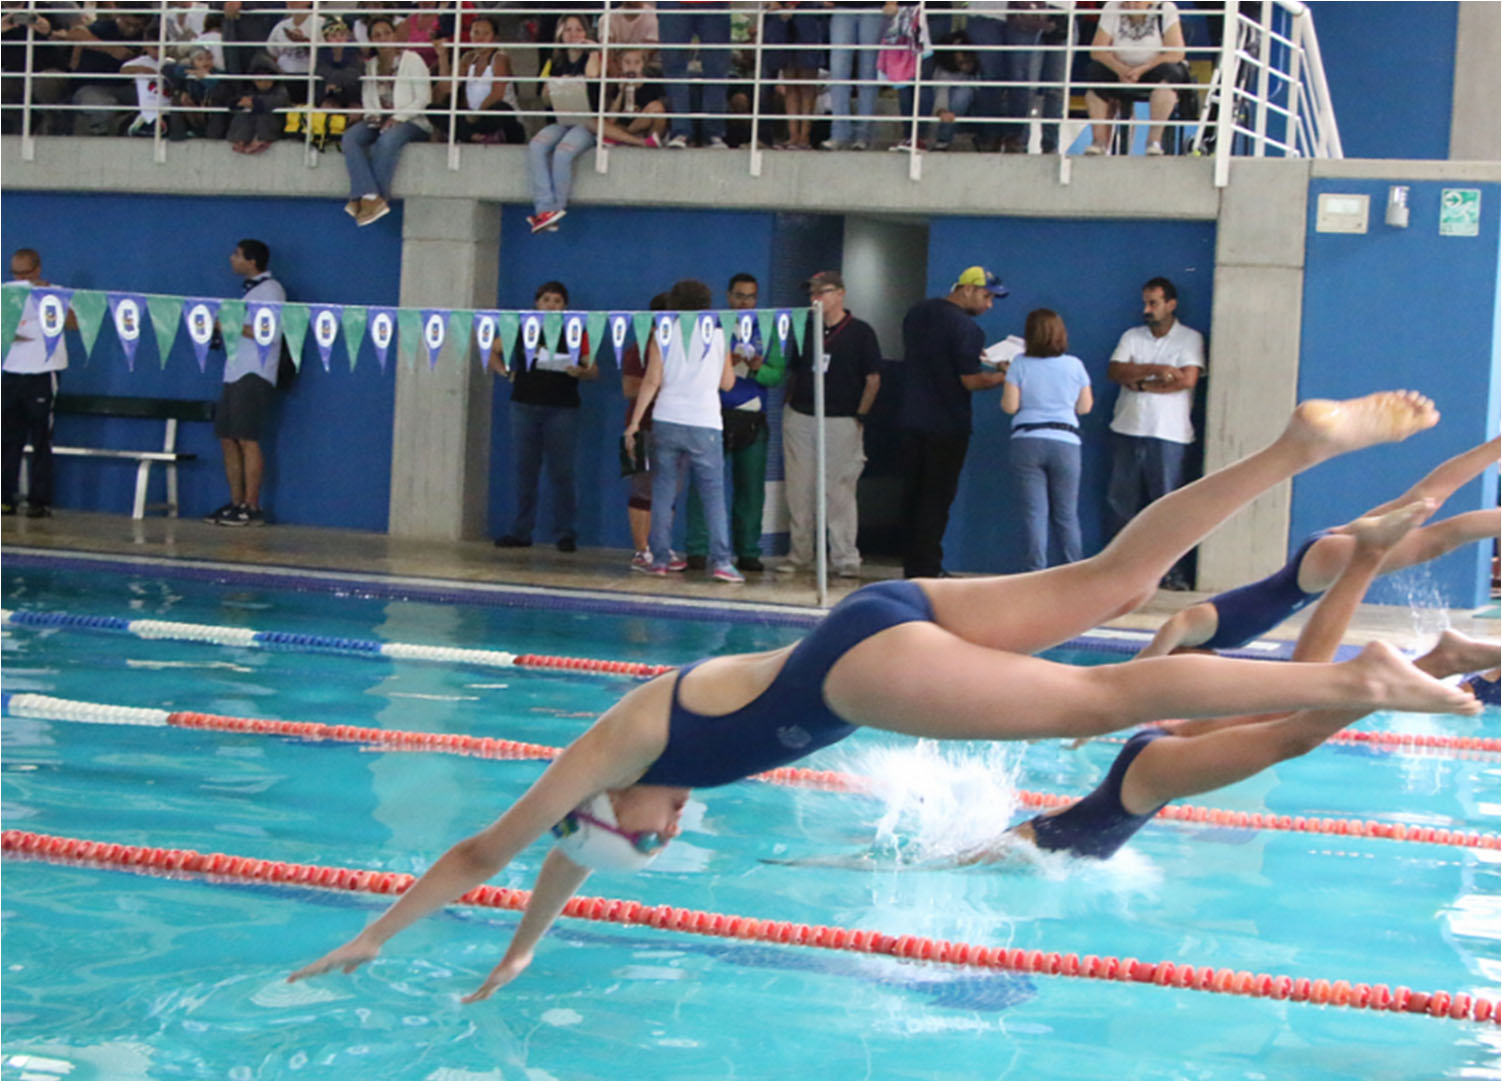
(14, 296)
(727, 324)
(231, 323)
(764, 324)
(461, 326)
(641, 323)
(507, 328)
(166, 317)
(552, 327)
(799, 325)
(295, 327)
(686, 321)
(409, 332)
(89, 305)
(353, 321)
(594, 326)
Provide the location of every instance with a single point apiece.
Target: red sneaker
(546, 221)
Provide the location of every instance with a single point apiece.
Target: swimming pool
(123, 975)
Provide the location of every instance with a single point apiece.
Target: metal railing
(1266, 97)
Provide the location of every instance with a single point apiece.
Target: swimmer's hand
(509, 969)
(349, 958)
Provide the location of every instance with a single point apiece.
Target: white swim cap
(599, 845)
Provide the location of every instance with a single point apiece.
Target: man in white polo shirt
(249, 393)
(29, 383)
(1157, 365)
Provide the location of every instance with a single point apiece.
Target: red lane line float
(584, 664)
(1165, 974)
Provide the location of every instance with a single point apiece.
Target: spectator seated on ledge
(1139, 47)
(254, 122)
(100, 49)
(486, 89)
(151, 102)
(395, 95)
(288, 44)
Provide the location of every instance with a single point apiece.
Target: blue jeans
(702, 451)
(1048, 493)
(1142, 470)
(678, 24)
(990, 101)
(961, 101)
(853, 28)
(550, 163)
(1033, 67)
(538, 434)
(371, 155)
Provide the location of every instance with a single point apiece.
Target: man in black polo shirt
(852, 376)
(941, 345)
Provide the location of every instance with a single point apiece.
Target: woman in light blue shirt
(1046, 390)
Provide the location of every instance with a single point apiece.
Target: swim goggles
(643, 841)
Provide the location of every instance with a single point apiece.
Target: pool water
(109, 974)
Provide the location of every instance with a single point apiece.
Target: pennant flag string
(548, 336)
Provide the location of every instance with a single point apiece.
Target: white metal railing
(1267, 95)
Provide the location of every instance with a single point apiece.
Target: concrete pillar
(1253, 368)
(440, 446)
(1476, 111)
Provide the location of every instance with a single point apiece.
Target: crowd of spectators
(837, 75)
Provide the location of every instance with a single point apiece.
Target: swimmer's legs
(1188, 627)
(1026, 613)
(1184, 766)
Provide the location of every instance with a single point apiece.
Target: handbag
(741, 428)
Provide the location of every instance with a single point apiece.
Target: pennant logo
(531, 335)
(784, 327)
(745, 328)
(52, 314)
(620, 327)
(664, 331)
(485, 332)
(573, 335)
(199, 315)
(126, 311)
(382, 331)
(265, 322)
(708, 324)
(434, 331)
(325, 331)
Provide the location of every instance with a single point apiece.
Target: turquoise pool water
(116, 975)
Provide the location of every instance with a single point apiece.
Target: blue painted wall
(1390, 68)
(1404, 308)
(329, 461)
(1091, 274)
(611, 258)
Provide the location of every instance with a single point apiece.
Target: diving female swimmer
(944, 659)
(1238, 616)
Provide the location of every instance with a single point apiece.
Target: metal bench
(167, 410)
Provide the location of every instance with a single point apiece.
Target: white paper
(1000, 353)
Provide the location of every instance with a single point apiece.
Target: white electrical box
(1338, 213)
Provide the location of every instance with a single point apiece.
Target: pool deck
(480, 562)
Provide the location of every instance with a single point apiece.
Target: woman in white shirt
(487, 90)
(1138, 44)
(396, 95)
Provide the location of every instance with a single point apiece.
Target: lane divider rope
(245, 637)
(250, 638)
(153, 860)
(45, 707)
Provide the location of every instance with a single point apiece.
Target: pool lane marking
(325, 644)
(153, 860)
(48, 708)
(250, 638)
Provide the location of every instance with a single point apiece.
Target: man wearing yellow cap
(942, 347)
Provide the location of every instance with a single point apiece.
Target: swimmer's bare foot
(1378, 533)
(1324, 428)
(1394, 684)
(1456, 653)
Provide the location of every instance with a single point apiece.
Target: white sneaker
(642, 559)
(791, 567)
(860, 144)
(1155, 150)
(717, 143)
(1093, 151)
(678, 142)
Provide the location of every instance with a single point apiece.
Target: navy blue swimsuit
(1484, 689)
(790, 719)
(1256, 608)
(1098, 825)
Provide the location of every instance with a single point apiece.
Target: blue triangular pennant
(382, 332)
(128, 310)
(573, 335)
(434, 331)
(531, 336)
(327, 320)
(620, 329)
(265, 319)
(52, 313)
(201, 319)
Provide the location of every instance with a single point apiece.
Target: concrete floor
(479, 562)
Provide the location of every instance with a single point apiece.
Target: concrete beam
(873, 183)
(1476, 109)
(440, 441)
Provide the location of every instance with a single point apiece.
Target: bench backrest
(157, 409)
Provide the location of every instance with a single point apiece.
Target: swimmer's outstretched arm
(558, 881)
(614, 752)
